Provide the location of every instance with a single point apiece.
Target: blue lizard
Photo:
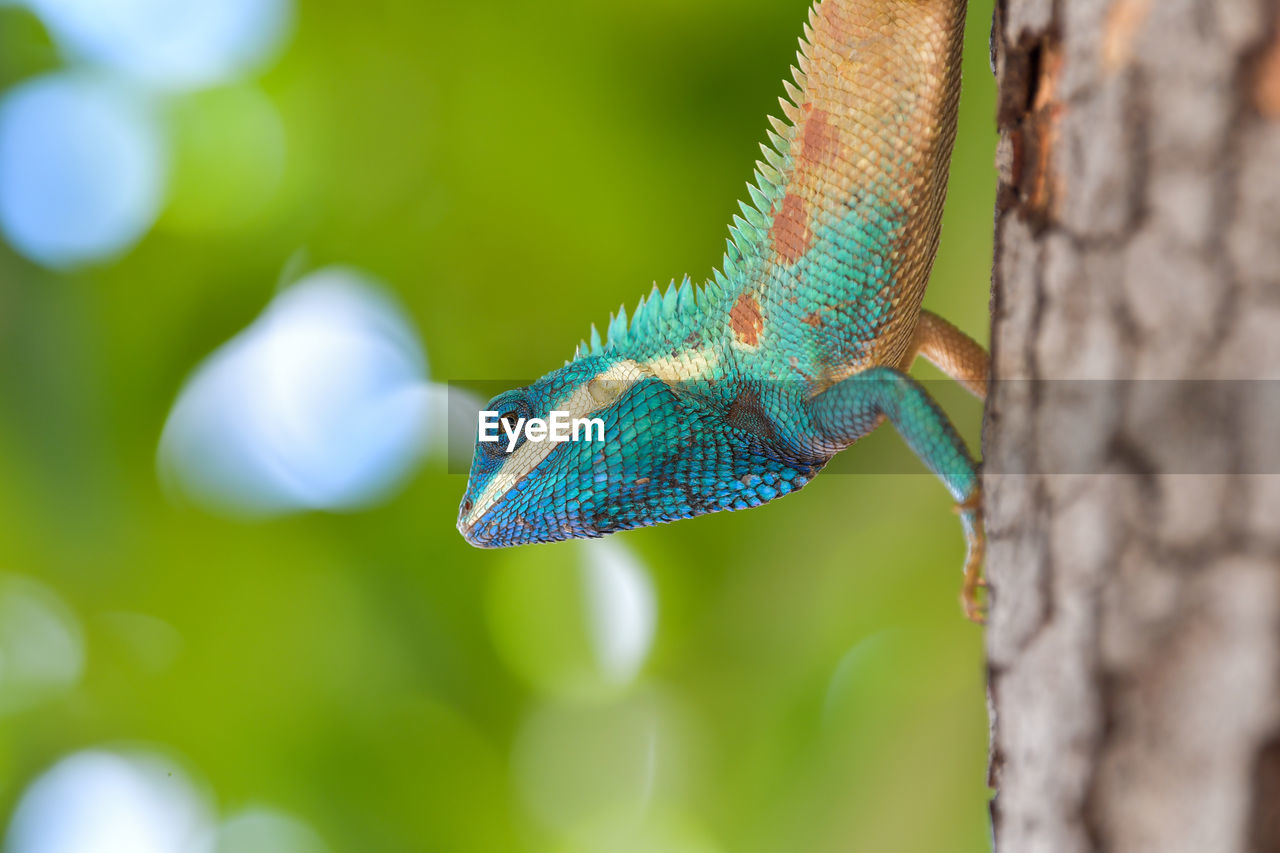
(729, 394)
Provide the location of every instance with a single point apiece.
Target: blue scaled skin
(667, 454)
(739, 391)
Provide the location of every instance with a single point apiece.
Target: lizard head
(653, 457)
(526, 486)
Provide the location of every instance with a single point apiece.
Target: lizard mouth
(465, 527)
(475, 533)
(480, 532)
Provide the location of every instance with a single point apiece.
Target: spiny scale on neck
(658, 319)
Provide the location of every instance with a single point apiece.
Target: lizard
(729, 394)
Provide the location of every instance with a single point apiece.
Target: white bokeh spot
(320, 404)
(41, 644)
(262, 830)
(168, 44)
(105, 802)
(621, 612)
(83, 168)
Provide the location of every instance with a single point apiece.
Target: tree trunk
(1134, 514)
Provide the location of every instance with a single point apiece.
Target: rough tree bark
(1134, 524)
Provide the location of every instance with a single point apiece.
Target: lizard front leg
(850, 409)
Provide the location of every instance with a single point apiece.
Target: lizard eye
(512, 408)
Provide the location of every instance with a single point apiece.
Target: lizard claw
(974, 609)
(970, 511)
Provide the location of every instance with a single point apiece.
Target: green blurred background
(796, 677)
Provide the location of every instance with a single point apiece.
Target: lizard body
(732, 393)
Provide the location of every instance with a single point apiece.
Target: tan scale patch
(816, 148)
(821, 139)
(746, 320)
(790, 233)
